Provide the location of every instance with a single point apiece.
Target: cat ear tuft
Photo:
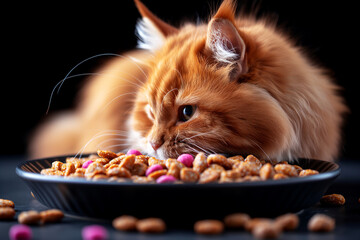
(151, 30)
(149, 37)
(224, 42)
(226, 45)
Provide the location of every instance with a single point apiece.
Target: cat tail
(57, 136)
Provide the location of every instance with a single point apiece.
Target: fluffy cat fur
(250, 88)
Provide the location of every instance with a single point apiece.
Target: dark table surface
(347, 217)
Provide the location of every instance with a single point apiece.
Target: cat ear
(224, 42)
(151, 30)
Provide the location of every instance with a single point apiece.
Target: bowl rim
(30, 176)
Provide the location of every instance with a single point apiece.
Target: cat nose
(156, 144)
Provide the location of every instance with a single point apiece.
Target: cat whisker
(117, 97)
(61, 82)
(96, 136)
(100, 145)
(115, 147)
(257, 145)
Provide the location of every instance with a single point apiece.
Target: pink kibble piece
(20, 232)
(94, 232)
(133, 152)
(153, 168)
(87, 163)
(186, 159)
(166, 179)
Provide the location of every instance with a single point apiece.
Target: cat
(233, 85)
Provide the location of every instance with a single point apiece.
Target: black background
(43, 42)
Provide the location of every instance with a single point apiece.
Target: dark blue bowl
(101, 199)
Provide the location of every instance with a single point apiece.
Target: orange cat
(235, 85)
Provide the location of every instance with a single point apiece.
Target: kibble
(7, 213)
(236, 220)
(138, 168)
(6, 203)
(51, 215)
(29, 217)
(125, 223)
(321, 223)
(266, 230)
(209, 227)
(287, 222)
(333, 200)
(151, 225)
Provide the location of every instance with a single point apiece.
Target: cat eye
(186, 112)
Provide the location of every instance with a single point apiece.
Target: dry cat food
(333, 200)
(209, 227)
(7, 210)
(138, 168)
(33, 217)
(7, 213)
(146, 225)
(6, 203)
(321, 223)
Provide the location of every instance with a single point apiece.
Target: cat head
(212, 87)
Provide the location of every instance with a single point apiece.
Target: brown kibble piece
(220, 160)
(248, 168)
(333, 200)
(29, 217)
(266, 230)
(6, 203)
(286, 169)
(142, 179)
(142, 159)
(94, 169)
(7, 212)
(279, 176)
(107, 154)
(153, 161)
(127, 162)
(100, 177)
(70, 168)
(56, 165)
(209, 175)
(51, 172)
(308, 172)
(200, 162)
(298, 168)
(252, 159)
(51, 215)
(103, 161)
(236, 220)
(321, 223)
(118, 172)
(125, 223)
(155, 175)
(139, 169)
(249, 225)
(287, 222)
(230, 175)
(267, 172)
(174, 170)
(237, 158)
(151, 225)
(189, 175)
(209, 227)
